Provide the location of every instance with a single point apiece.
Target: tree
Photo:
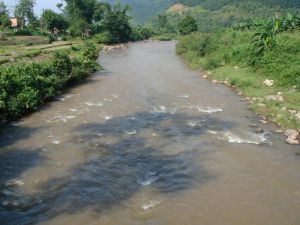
(187, 25)
(116, 22)
(50, 20)
(83, 9)
(25, 10)
(4, 17)
(80, 14)
(162, 20)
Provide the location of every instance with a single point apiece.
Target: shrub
(104, 38)
(23, 87)
(24, 32)
(187, 25)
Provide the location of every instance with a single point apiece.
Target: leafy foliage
(4, 17)
(50, 19)
(280, 61)
(116, 22)
(23, 87)
(187, 25)
(25, 10)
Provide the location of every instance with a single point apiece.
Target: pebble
(263, 121)
(261, 105)
(279, 131)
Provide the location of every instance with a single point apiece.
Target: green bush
(209, 51)
(23, 87)
(24, 32)
(141, 33)
(187, 25)
(104, 38)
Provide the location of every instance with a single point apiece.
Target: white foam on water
(183, 96)
(210, 109)
(160, 109)
(94, 104)
(256, 139)
(164, 109)
(150, 204)
(56, 142)
(133, 132)
(60, 99)
(16, 124)
(192, 124)
(148, 179)
(64, 118)
(73, 110)
(70, 117)
(108, 100)
(115, 96)
(212, 132)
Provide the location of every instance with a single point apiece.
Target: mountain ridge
(143, 10)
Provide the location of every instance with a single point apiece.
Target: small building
(55, 32)
(16, 22)
(86, 33)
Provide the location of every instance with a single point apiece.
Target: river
(147, 141)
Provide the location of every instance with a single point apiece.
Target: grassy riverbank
(33, 79)
(229, 58)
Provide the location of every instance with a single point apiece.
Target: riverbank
(28, 82)
(271, 84)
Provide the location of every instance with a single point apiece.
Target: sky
(40, 5)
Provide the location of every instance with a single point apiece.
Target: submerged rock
(253, 125)
(259, 130)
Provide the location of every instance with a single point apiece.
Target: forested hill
(146, 9)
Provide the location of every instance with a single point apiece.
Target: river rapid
(146, 141)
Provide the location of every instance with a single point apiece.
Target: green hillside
(143, 10)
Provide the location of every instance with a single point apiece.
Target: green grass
(226, 56)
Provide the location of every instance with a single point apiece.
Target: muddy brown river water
(146, 142)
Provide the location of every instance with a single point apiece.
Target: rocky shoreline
(292, 135)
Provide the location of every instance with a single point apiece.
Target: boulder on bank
(293, 137)
(268, 82)
(277, 98)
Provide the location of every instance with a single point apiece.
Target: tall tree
(80, 14)
(50, 19)
(187, 25)
(116, 22)
(81, 8)
(4, 17)
(25, 10)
